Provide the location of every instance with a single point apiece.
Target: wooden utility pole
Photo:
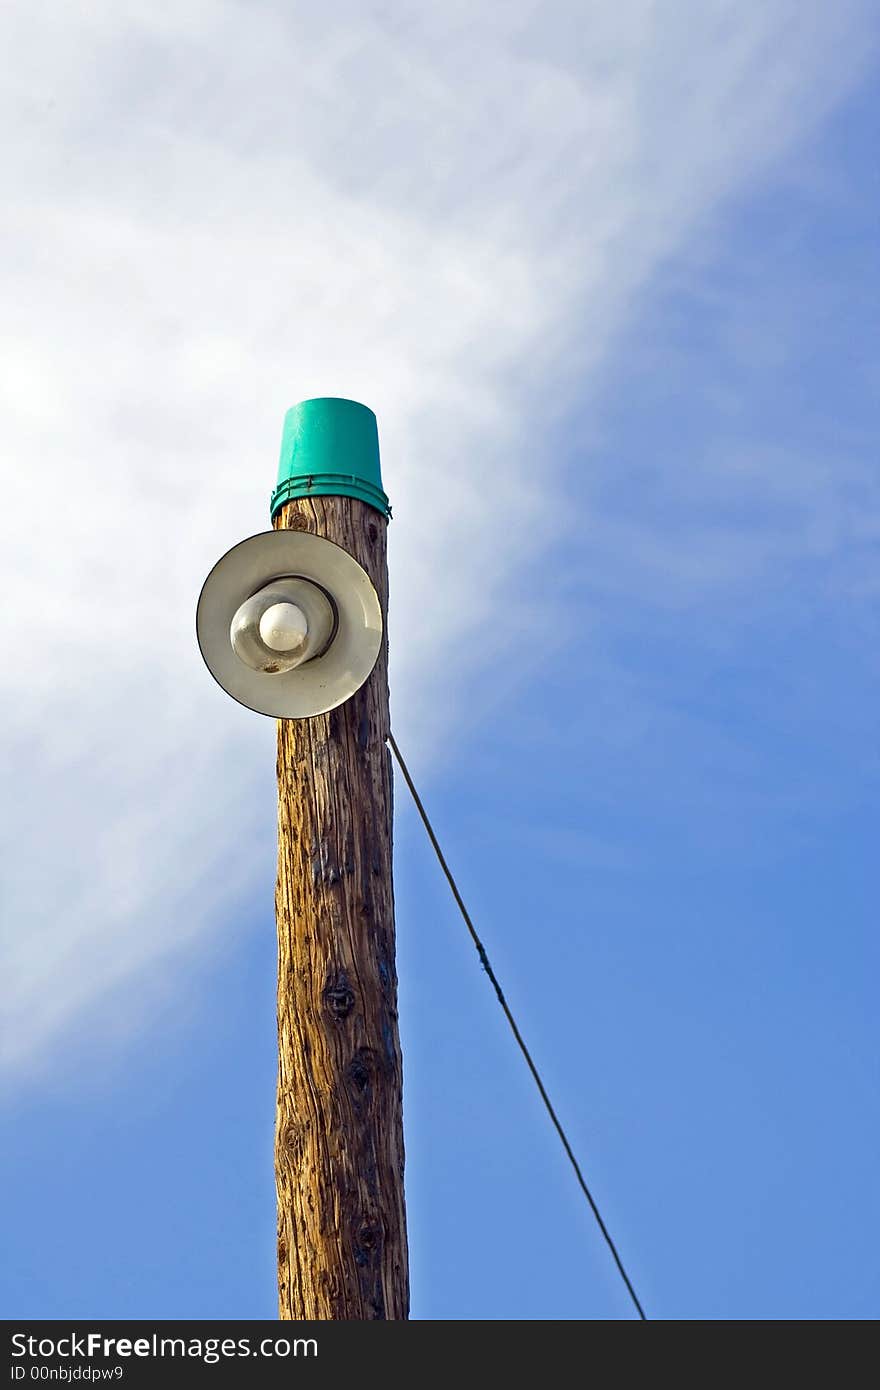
(292, 623)
(342, 1250)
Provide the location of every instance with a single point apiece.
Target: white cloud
(216, 209)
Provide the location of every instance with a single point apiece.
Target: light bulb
(284, 627)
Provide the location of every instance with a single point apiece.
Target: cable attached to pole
(484, 961)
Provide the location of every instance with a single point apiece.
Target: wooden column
(342, 1250)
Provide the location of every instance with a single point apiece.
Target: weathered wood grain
(342, 1250)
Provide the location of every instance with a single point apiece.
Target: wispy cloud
(218, 209)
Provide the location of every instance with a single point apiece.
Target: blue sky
(623, 352)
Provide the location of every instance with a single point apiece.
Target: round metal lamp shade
(324, 681)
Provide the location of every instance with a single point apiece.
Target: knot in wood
(339, 997)
(293, 1139)
(360, 1072)
(368, 1245)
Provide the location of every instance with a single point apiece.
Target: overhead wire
(493, 978)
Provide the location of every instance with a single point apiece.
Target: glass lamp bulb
(283, 627)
